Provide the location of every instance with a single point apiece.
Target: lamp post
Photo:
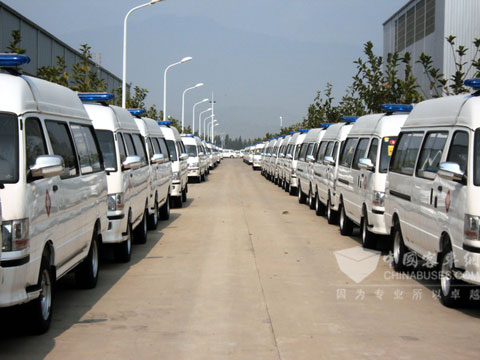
(200, 121)
(183, 101)
(213, 131)
(210, 124)
(193, 113)
(205, 125)
(281, 122)
(124, 72)
(184, 60)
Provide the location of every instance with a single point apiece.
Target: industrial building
(42, 47)
(421, 26)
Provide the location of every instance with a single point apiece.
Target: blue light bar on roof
(136, 112)
(12, 60)
(324, 126)
(188, 135)
(304, 131)
(97, 97)
(349, 119)
(169, 122)
(473, 83)
(292, 132)
(389, 108)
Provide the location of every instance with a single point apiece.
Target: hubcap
(329, 211)
(94, 258)
(396, 248)
(364, 229)
(446, 274)
(46, 294)
(129, 240)
(341, 218)
(155, 215)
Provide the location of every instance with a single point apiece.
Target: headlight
(378, 198)
(175, 175)
(194, 164)
(15, 235)
(115, 202)
(471, 227)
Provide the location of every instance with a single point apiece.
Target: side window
(156, 146)
(303, 152)
(62, 145)
(163, 147)
(431, 154)
(321, 151)
(328, 151)
(140, 147)
(458, 152)
(150, 147)
(129, 143)
(348, 152)
(34, 141)
(297, 151)
(335, 151)
(310, 149)
(360, 152)
(87, 149)
(121, 148)
(405, 153)
(373, 151)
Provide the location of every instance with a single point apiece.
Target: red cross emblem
(48, 203)
(448, 201)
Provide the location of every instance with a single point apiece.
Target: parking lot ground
(245, 272)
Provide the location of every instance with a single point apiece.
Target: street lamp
(212, 139)
(209, 126)
(205, 125)
(124, 74)
(193, 112)
(200, 121)
(183, 101)
(184, 60)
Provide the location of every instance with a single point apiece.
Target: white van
(282, 162)
(178, 157)
(160, 169)
(431, 201)
(197, 160)
(278, 168)
(257, 156)
(325, 168)
(128, 173)
(296, 143)
(53, 191)
(306, 158)
(267, 156)
(362, 172)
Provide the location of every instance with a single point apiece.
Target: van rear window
(9, 148)
(191, 150)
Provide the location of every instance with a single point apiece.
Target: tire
(165, 210)
(319, 207)
(452, 294)
(332, 216)
(40, 310)
(176, 202)
(184, 194)
(199, 179)
(86, 274)
(287, 186)
(123, 250)
(399, 250)
(301, 196)
(368, 239)
(202, 177)
(140, 233)
(153, 218)
(311, 200)
(346, 225)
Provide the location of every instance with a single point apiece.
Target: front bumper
(176, 189)
(377, 222)
(116, 230)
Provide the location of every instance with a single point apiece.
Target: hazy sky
(262, 58)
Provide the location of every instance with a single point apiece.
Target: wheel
(140, 235)
(86, 274)
(202, 177)
(311, 200)
(199, 179)
(332, 215)
(451, 291)
(176, 202)
(41, 309)
(123, 250)
(399, 250)
(153, 218)
(292, 191)
(301, 196)
(319, 207)
(165, 210)
(368, 239)
(346, 225)
(184, 194)
(287, 186)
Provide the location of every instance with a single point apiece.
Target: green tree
(56, 74)
(14, 45)
(84, 79)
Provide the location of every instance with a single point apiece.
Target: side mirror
(451, 171)
(329, 160)
(132, 162)
(366, 164)
(289, 156)
(201, 153)
(183, 156)
(310, 158)
(47, 166)
(157, 158)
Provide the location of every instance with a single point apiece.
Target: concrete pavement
(245, 272)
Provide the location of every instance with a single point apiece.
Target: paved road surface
(245, 272)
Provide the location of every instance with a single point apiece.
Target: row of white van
(76, 175)
(409, 176)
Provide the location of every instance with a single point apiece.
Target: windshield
(191, 150)
(9, 148)
(107, 146)
(388, 144)
(172, 149)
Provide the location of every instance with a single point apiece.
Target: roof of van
(314, 135)
(20, 94)
(170, 132)
(461, 110)
(378, 124)
(293, 139)
(148, 127)
(334, 131)
(111, 117)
